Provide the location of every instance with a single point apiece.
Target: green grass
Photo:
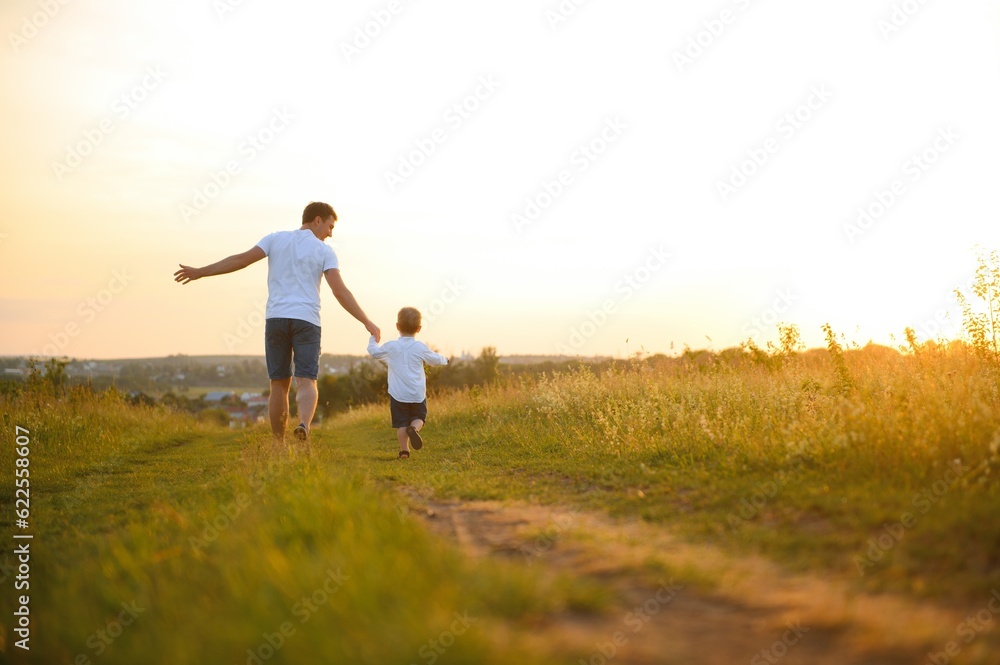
(215, 539)
(218, 537)
(777, 462)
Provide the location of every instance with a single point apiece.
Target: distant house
(257, 408)
(238, 417)
(102, 368)
(217, 397)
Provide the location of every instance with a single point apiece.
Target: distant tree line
(365, 383)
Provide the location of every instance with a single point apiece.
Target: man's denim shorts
(282, 337)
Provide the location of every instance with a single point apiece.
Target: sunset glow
(517, 173)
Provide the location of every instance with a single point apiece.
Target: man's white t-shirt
(406, 357)
(296, 261)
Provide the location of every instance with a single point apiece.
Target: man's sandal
(404, 454)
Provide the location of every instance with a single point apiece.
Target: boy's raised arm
(374, 350)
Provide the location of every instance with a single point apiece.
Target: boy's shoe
(404, 454)
(415, 439)
(300, 432)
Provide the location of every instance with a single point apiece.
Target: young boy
(407, 384)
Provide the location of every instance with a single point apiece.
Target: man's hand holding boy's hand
(374, 330)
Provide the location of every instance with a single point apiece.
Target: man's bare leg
(277, 407)
(306, 398)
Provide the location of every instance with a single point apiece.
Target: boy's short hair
(408, 320)
(314, 209)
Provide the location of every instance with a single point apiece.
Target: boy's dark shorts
(404, 413)
(281, 338)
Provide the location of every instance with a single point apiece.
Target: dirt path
(678, 602)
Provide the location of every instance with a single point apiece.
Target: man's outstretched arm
(347, 301)
(229, 264)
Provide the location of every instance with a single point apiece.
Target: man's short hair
(315, 209)
(408, 320)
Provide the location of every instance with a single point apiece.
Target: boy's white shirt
(406, 357)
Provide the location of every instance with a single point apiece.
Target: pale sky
(612, 120)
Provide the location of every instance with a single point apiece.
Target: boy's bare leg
(404, 440)
(306, 398)
(277, 407)
(413, 433)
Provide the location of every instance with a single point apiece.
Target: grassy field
(810, 463)
(162, 540)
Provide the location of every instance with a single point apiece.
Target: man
(296, 262)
